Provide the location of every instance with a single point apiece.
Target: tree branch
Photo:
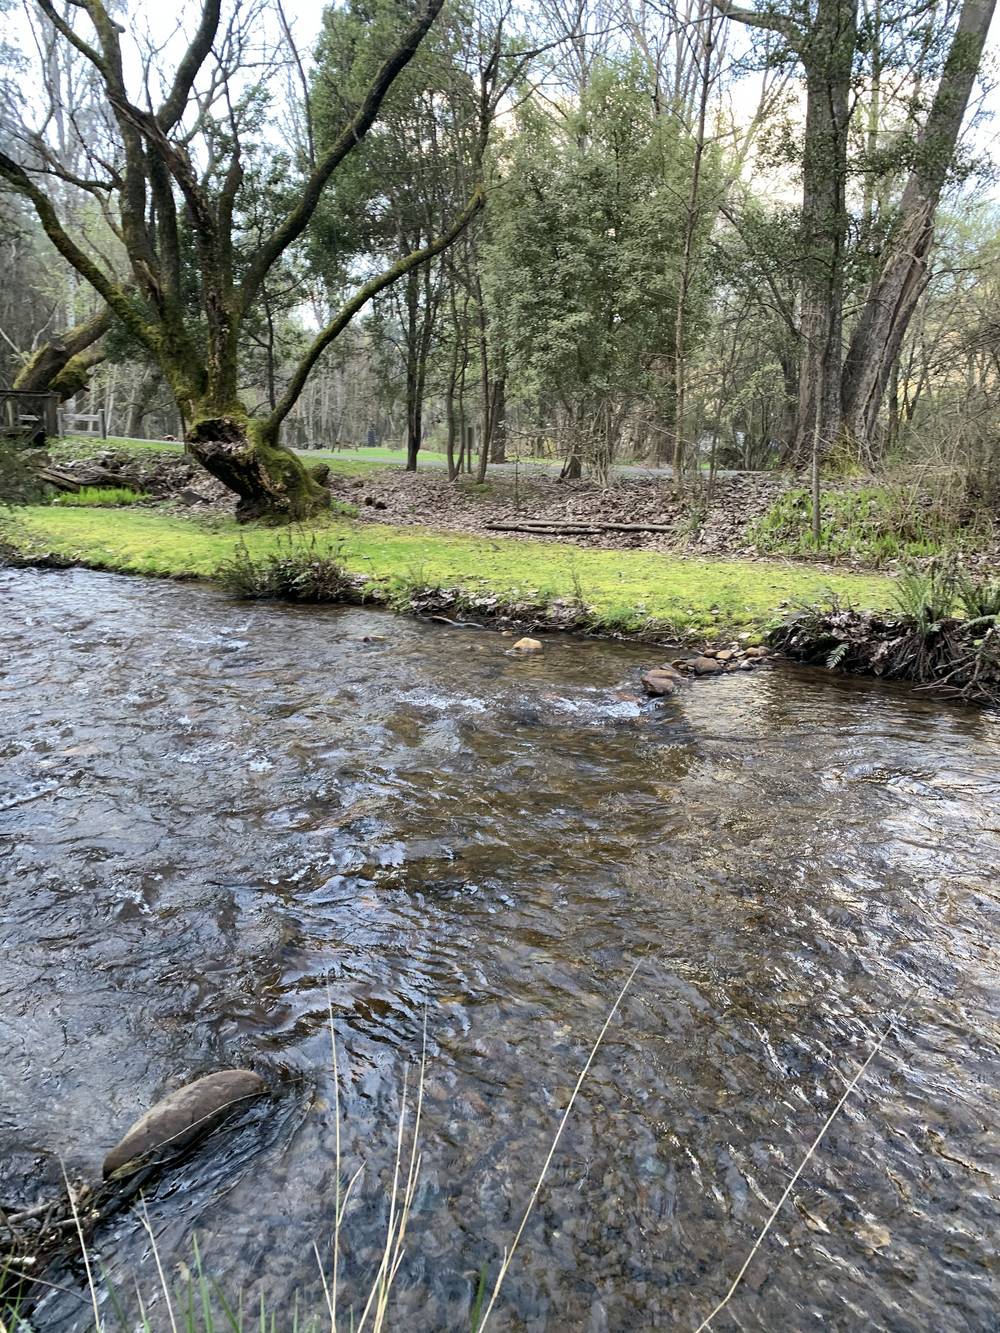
(362, 296)
(187, 71)
(767, 19)
(115, 296)
(353, 132)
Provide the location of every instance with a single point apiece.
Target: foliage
(926, 595)
(298, 569)
(925, 643)
(934, 592)
(978, 598)
(581, 262)
(100, 496)
(874, 524)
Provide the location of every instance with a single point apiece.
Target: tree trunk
(889, 307)
(828, 59)
(498, 424)
(413, 404)
(272, 483)
(485, 386)
(139, 402)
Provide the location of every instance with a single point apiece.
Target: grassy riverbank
(623, 591)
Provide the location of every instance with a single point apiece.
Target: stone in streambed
(526, 646)
(662, 681)
(181, 1118)
(700, 666)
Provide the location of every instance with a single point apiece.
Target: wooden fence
(28, 416)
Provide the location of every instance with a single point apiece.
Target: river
(222, 823)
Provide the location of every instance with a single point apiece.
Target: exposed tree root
(960, 658)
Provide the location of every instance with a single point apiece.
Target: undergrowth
(874, 524)
(100, 497)
(945, 635)
(299, 569)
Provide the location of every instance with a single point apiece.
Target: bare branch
(361, 298)
(357, 127)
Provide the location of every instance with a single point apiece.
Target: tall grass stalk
(144, 1217)
(83, 1248)
(762, 1234)
(509, 1253)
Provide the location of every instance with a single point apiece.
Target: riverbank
(635, 593)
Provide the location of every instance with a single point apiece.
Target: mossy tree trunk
(272, 483)
(63, 364)
(154, 184)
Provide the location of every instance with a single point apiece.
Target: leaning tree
(166, 177)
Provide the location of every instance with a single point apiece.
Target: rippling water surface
(216, 821)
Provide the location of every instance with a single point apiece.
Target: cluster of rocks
(665, 680)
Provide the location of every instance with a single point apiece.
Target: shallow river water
(218, 823)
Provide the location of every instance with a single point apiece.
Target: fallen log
(579, 525)
(65, 480)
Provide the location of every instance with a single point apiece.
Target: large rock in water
(700, 666)
(662, 681)
(182, 1117)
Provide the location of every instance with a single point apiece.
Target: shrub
(927, 596)
(977, 599)
(298, 571)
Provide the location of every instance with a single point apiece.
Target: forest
(524, 853)
(705, 237)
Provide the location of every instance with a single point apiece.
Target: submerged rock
(181, 1118)
(526, 646)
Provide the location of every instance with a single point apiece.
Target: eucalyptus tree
(905, 267)
(167, 173)
(846, 54)
(822, 38)
(584, 260)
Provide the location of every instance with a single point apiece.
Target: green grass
(340, 460)
(874, 524)
(99, 497)
(625, 591)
